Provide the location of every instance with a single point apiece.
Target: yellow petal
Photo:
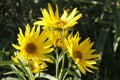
(64, 15)
(56, 12)
(17, 47)
(51, 12)
(72, 14)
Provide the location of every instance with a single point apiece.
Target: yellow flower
(33, 45)
(82, 53)
(58, 38)
(37, 66)
(54, 21)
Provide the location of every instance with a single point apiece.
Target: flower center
(60, 23)
(30, 48)
(77, 54)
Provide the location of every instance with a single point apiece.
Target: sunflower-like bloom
(37, 66)
(58, 38)
(81, 53)
(54, 21)
(33, 45)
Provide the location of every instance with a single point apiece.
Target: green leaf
(10, 78)
(75, 68)
(71, 78)
(50, 56)
(4, 63)
(117, 19)
(45, 75)
(116, 26)
(72, 73)
(26, 69)
(17, 72)
(101, 40)
(76, 75)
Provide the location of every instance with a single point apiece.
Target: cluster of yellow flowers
(35, 43)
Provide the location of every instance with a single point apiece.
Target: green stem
(61, 71)
(57, 65)
(69, 65)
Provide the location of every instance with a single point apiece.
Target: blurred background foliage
(100, 22)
